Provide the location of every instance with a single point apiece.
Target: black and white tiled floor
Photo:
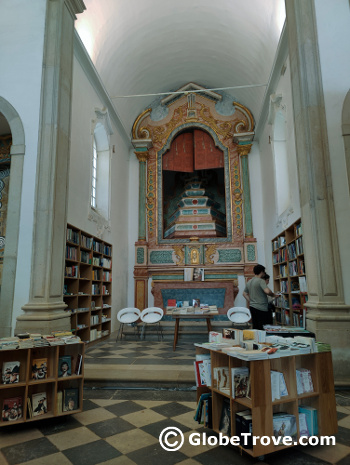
(121, 426)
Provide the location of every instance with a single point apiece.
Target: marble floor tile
(143, 418)
(332, 454)
(11, 437)
(67, 440)
(53, 459)
(91, 454)
(93, 416)
(131, 440)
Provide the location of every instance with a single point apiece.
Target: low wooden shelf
(51, 385)
(261, 405)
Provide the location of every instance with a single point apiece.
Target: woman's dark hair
(258, 269)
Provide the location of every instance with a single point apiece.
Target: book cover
(29, 407)
(225, 420)
(65, 366)
(311, 418)
(240, 377)
(238, 421)
(39, 404)
(39, 368)
(247, 427)
(284, 425)
(10, 372)
(304, 430)
(171, 302)
(12, 409)
(59, 402)
(70, 399)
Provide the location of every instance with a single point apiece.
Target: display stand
(260, 403)
(52, 385)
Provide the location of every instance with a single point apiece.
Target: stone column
(45, 310)
(243, 151)
(327, 314)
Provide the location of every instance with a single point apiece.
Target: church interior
(156, 152)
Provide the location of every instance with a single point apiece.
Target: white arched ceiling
(143, 47)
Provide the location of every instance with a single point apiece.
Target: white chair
(128, 316)
(239, 316)
(152, 316)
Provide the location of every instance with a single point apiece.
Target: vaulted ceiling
(148, 47)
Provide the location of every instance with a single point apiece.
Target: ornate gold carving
(151, 202)
(163, 132)
(195, 256)
(179, 252)
(243, 126)
(243, 150)
(223, 129)
(140, 133)
(142, 156)
(194, 238)
(210, 251)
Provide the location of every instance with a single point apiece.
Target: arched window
(100, 165)
(281, 163)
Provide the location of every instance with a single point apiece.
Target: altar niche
(193, 187)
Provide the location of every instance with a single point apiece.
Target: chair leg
(120, 332)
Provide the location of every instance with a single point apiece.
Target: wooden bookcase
(88, 285)
(52, 385)
(289, 276)
(260, 403)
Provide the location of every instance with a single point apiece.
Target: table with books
(268, 386)
(191, 313)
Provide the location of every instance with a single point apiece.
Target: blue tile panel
(214, 296)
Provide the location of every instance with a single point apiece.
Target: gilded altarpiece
(205, 221)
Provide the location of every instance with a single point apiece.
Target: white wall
(22, 26)
(274, 223)
(115, 231)
(334, 47)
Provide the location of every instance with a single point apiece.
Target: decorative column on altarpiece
(141, 249)
(243, 149)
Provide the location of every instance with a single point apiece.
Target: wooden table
(177, 315)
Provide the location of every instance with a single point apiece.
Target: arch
(160, 153)
(13, 216)
(346, 133)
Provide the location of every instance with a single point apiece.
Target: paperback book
(65, 366)
(39, 368)
(70, 399)
(12, 409)
(39, 404)
(10, 372)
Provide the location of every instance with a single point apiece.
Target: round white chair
(152, 316)
(128, 316)
(239, 316)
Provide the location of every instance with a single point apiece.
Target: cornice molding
(280, 58)
(84, 59)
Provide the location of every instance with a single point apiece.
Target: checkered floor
(122, 426)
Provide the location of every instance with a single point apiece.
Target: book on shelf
(278, 385)
(303, 429)
(302, 284)
(247, 427)
(221, 379)
(202, 370)
(78, 365)
(39, 403)
(238, 422)
(225, 419)
(304, 381)
(204, 403)
(59, 401)
(311, 418)
(10, 372)
(284, 424)
(70, 399)
(29, 408)
(39, 368)
(65, 366)
(12, 409)
(240, 380)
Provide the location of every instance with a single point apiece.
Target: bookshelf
(54, 387)
(289, 276)
(88, 285)
(260, 404)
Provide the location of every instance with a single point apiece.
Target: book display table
(260, 405)
(191, 314)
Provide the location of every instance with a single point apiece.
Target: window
(94, 175)
(100, 167)
(281, 163)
